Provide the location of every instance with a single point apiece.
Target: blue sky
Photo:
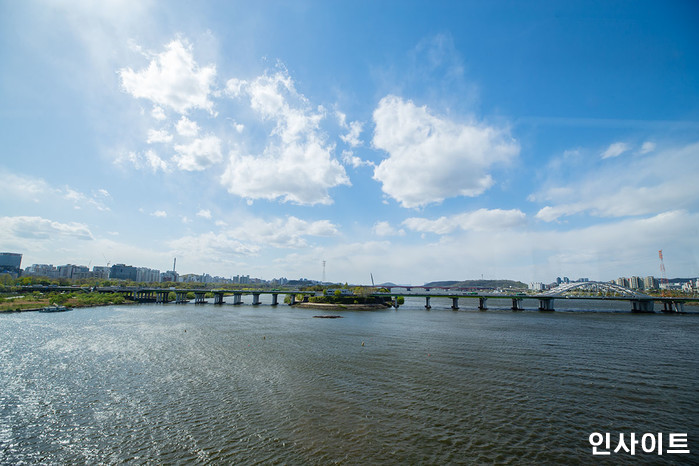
(417, 141)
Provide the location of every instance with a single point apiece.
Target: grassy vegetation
(38, 300)
(346, 299)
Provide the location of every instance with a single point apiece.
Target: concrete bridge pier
(181, 297)
(161, 296)
(483, 304)
(427, 303)
(673, 306)
(642, 305)
(517, 304)
(292, 300)
(218, 298)
(275, 298)
(546, 304)
(237, 298)
(256, 299)
(455, 303)
(199, 298)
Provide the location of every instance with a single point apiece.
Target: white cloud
(252, 236)
(282, 233)
(385, 229)
(158, 113)
(37, 190)
(297, 164)
(159, 214)
(647, 147)
(155, 135)
(15, 186)
(147, 160)
(478, 220)
(199, 154)
(354, 127)
(211, 245)
(79, 200)
(172, 79)
(348, 158)
(645, 185)
(615, 150)
(25, 229)
(521, 253)
(432, 158)
(204, 213)
(186, 127)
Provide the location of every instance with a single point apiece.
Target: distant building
(123, 272)
(42, 270)
(650, 283)
(11, 263)
(101, 272)
(146, 275)
(73, 272)
(622, 281)
(169, 276)
(536, 286)
(636, 283)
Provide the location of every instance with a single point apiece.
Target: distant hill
(479, 284)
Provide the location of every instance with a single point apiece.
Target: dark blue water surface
(262, 384)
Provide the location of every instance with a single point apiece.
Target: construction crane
(663, 279)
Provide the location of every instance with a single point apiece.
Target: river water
(261, 384)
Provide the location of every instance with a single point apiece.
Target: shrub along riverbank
(39, 300)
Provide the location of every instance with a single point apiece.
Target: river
(246, 384)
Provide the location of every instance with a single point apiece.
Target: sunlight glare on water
(243, 384)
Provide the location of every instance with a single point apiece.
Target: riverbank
(32, 303)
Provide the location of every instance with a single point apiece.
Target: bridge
(640, 302)
(162, 295)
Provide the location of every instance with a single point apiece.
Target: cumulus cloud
(348, 158)
(198, 154)
(385, 229)
(354, 127)
(155, 135)
(159, 214)
(478, 220)
(297, 164)
(615, 150)
(213, 245)
(38, 228)
(288, 232)
(253, 235)
(158, 113)
(172, 79)
(146, 160)
(646, 185)
(204, 213)
(432, 158)
(186, 127)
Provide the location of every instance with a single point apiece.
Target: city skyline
(415, 142)
(147, 274)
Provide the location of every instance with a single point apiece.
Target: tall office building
(11, 263)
